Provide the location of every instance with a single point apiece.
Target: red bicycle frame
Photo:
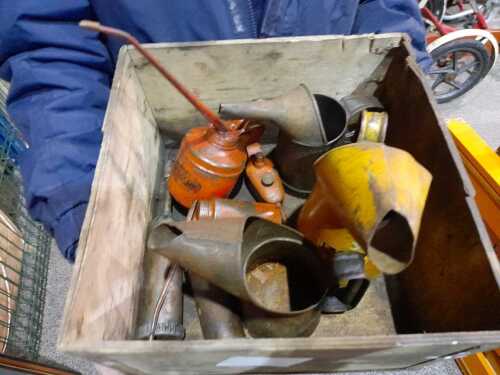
(444, 29)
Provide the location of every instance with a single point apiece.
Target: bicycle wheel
(437, 7)
(457, 67)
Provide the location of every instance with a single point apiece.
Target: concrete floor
(479, 107)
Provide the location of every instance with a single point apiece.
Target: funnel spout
(201, 248)
(227, 258)
(161, 236)
(295, 113)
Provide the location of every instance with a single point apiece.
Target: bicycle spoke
(468, 66)
(457, 68)
(454, 60)
(440, 71)
(454, 85)
(437, 82)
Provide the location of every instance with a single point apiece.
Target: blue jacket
(60, 74)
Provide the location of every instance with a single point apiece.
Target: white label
(262, 361)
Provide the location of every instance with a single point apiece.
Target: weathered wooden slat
(318, 355)
(229, 71)
(102, 303)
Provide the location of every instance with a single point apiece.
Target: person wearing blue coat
(60, 74)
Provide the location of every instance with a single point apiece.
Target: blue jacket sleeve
(386, 16)
(60, 78)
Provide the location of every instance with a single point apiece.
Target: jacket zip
(253, 23)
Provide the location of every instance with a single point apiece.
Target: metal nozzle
(211, 116)
(217, 310)
(296, 113)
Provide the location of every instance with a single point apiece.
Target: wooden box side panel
(102, 300)
(303, 355)
(233, 71)
(452, 283)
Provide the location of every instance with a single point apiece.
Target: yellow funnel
(375, 191)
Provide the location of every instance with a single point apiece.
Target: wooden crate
(445, 304)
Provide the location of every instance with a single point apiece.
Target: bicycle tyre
(472, 47)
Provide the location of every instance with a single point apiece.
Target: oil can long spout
(211, 116)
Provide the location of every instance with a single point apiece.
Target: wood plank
(229, 71)
(484, 159)
(320, 354)
(102, 302)
(483, 166)
(476, 364)
(453, 246)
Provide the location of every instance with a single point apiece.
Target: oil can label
(181, 174)
(248, 361)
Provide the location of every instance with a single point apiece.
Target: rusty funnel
(237, 258)
(296, 113)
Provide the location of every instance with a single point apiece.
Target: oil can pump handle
(211, 116)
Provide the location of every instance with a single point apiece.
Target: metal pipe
(211, 116)
(456, 16)
(168, 301)
(161, 312)
(217, 310)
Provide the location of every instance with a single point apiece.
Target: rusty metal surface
(208, 165)
(380, 200)
(355, 104)
(161, 305)
(296, 113)
(226, 258)
(231, 208)
(166, 322)
(373, 126)
(202, 248)
(261, 323)
(270, 283)
(288, 285)
(453, 274)
(263, 178)
(218, 311)
(309, 126)
(295, 158)
(170, 317)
